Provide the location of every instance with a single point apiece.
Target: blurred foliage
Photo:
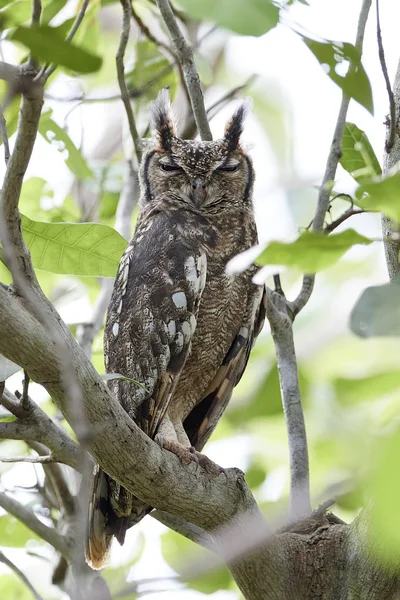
(350, 385)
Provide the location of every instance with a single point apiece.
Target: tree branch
(20, 574)
(34, 425)
(282, 331)
(119, 59)
(188, 530)
(185, 56)
(26, 516)
(392, 105)
(333, 161)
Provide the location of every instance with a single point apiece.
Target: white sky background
(282, 58)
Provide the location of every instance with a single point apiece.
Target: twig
(346, 215)
(36, 12)
(333, 160)
(46, 71)
(282, 331)
(25, 391)
(4, 136)
(185, 56)
(188, 530)
(146, 31)
(20, 574)
(27, 517)
(392, 121)
(55, 475)
(27, 458)
(119, 59)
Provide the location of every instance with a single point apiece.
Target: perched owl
(177, 323)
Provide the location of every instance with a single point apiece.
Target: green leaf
(13, 533)
(12, 588)
(351, 391)
(358, 156)
(18, 13)
(312, 251)
(377, 311)
(51, 9)
(174, 547)
(47, 44)
(256, 18)
(385, 491)
(86, 249)
(152, 71)
(54, 134)
(332, 55)
(381, 196)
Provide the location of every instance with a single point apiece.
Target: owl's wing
(150, 324)
(202, 421)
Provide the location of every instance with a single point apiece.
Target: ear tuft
(162, 120)
(234, 127)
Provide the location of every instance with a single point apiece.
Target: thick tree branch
(391, 229)
(185, 56)
(282, 331)
(20, 512)
(333, 161)
(20, 574)
(126, 26)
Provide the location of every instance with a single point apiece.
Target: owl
(178, 328)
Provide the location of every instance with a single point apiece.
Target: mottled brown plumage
(177, 323)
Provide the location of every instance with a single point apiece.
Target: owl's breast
(220, 317)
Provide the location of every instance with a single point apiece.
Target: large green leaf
(47, 44)
(382, 195)
(358, 156)
(13, 533)
(87, 249)
(352, 391)
(54, 134)
(256, 17)
(332, 55)
(152, 71)
(51, 9)
(16, 13)
(377, 311)
(312, 251)
(12, 588)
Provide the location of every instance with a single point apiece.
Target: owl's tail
(107, 499)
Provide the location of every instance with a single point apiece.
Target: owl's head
(210, 176)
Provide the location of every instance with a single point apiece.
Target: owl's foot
(187, 455)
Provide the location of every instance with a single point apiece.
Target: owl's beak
(199, 192)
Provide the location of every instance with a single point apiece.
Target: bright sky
(281, 58)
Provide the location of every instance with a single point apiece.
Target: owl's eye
(170, 167)
(227, 168)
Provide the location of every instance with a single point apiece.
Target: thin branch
(282, 331)
(119, 59)
(27, 458)
(55, 474)
(146, 31)
(28, 518)
(25, 391)
(185, 56)
(33, 424)
(46, 71)
(346, 215)
(4, 136)
(333, 160)
(392, 120)
(188, 530)
(36, 12)
(20, 574)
